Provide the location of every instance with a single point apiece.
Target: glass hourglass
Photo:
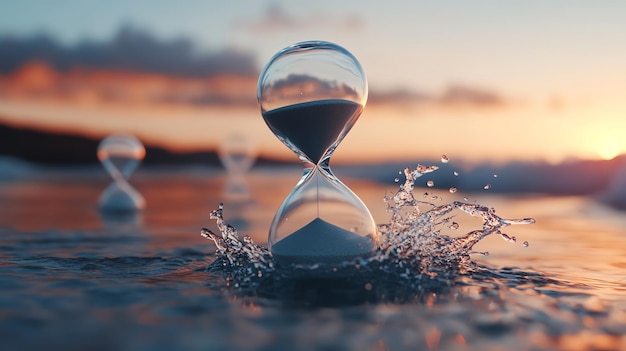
(237, 154)
(311, 94)
(120, 155)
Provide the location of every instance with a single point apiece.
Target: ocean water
(73, 279)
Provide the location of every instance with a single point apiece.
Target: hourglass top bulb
(121, 153)
(311, 94)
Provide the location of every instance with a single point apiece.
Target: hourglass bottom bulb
(120, 198)
(322, 242)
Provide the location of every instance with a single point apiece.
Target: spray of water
(411, 244)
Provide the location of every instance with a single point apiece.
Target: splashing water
(411, 248)
(414, 235)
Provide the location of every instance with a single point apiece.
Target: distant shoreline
(63, 148)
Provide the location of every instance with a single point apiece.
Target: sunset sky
(559, 67)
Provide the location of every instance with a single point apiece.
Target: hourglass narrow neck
(323, 164)
(113, 171)
(120, 168)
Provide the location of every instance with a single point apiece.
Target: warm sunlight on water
(143, 279)
(523, 103)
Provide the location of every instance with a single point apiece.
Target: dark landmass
(49, 148)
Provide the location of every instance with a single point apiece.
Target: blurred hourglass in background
(237, 154)
(120, 155)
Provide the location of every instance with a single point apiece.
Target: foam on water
(411, 249)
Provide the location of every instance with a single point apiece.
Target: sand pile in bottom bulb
(322, 241)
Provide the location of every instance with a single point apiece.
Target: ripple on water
(422, 280)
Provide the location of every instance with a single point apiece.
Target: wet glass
(311, 94)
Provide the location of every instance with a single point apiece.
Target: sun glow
(610, 148)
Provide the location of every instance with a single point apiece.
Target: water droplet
(487, 187)
(495, 176)
(430, 183)
(525, 244)
(444, 159)
(396, 180)
(466, 198)
(425, 195)
(453, 190)
(454, 226)
(456, 173)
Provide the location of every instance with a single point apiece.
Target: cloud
(130, 49)
(297, 88)
(461, 94)
(276, 19)
(298, 83)
(398, 96)
(135, 50)
(453, 95)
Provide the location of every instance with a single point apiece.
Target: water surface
(73, 279)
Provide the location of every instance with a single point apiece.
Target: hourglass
(311, 94)
(237, 154)
(120, 155)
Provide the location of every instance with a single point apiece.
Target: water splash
(411, 245)
(414, 235)
(237, 257)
